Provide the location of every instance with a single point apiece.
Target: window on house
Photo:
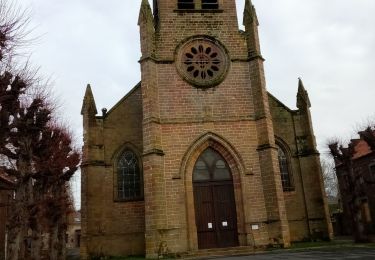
(372, 170)
(185, 4)
(365, 211)
(284, 170)
(129, 179)
(210, 4)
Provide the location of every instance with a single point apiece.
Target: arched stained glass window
(129, 178)
(284, 170)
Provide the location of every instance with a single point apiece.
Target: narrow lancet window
(129, 179)
(284, 170)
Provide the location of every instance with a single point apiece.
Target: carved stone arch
(218, 143)
(233, 159)
(122, 148)
(281, 144)
(114, 162)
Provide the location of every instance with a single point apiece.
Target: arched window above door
(211, 166)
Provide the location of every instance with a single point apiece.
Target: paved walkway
(72, 254)
(331, 253)
(322, 253)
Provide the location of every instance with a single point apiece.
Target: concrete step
(219, 252)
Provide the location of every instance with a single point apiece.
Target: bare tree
(329, 177)
(56, 162)
(26, 130)
(40, 153)
(11, 89)
(368, 136)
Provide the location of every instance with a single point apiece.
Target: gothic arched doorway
(215, 207)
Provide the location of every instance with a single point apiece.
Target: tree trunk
(16, 225)
(35, 224)
(60, 243)
(61, 226)
(62, 232)
(19, 219)
(36, 244)
(14, 239)
(53, 243)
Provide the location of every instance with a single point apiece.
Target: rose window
(202, 62)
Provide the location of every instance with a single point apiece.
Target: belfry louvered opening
(197, 4)
(210, 4)
(185, 4)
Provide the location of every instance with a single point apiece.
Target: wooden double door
(215, 208)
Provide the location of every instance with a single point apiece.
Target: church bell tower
(203, 87)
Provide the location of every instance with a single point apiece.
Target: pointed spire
(303, 99)
(145, 13)
(249, 14)
(88, 106)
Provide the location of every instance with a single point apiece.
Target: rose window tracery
(202, 62)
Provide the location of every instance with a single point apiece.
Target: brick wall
(361, 167)
(306, 204)
(106, 222)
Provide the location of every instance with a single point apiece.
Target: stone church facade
(199, 155)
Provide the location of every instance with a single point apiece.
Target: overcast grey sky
(328, 43)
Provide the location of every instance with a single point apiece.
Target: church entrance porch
(214, 202)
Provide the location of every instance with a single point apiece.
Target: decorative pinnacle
(303, 99)
(89, 105)
(249, 14)
(145, 13)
